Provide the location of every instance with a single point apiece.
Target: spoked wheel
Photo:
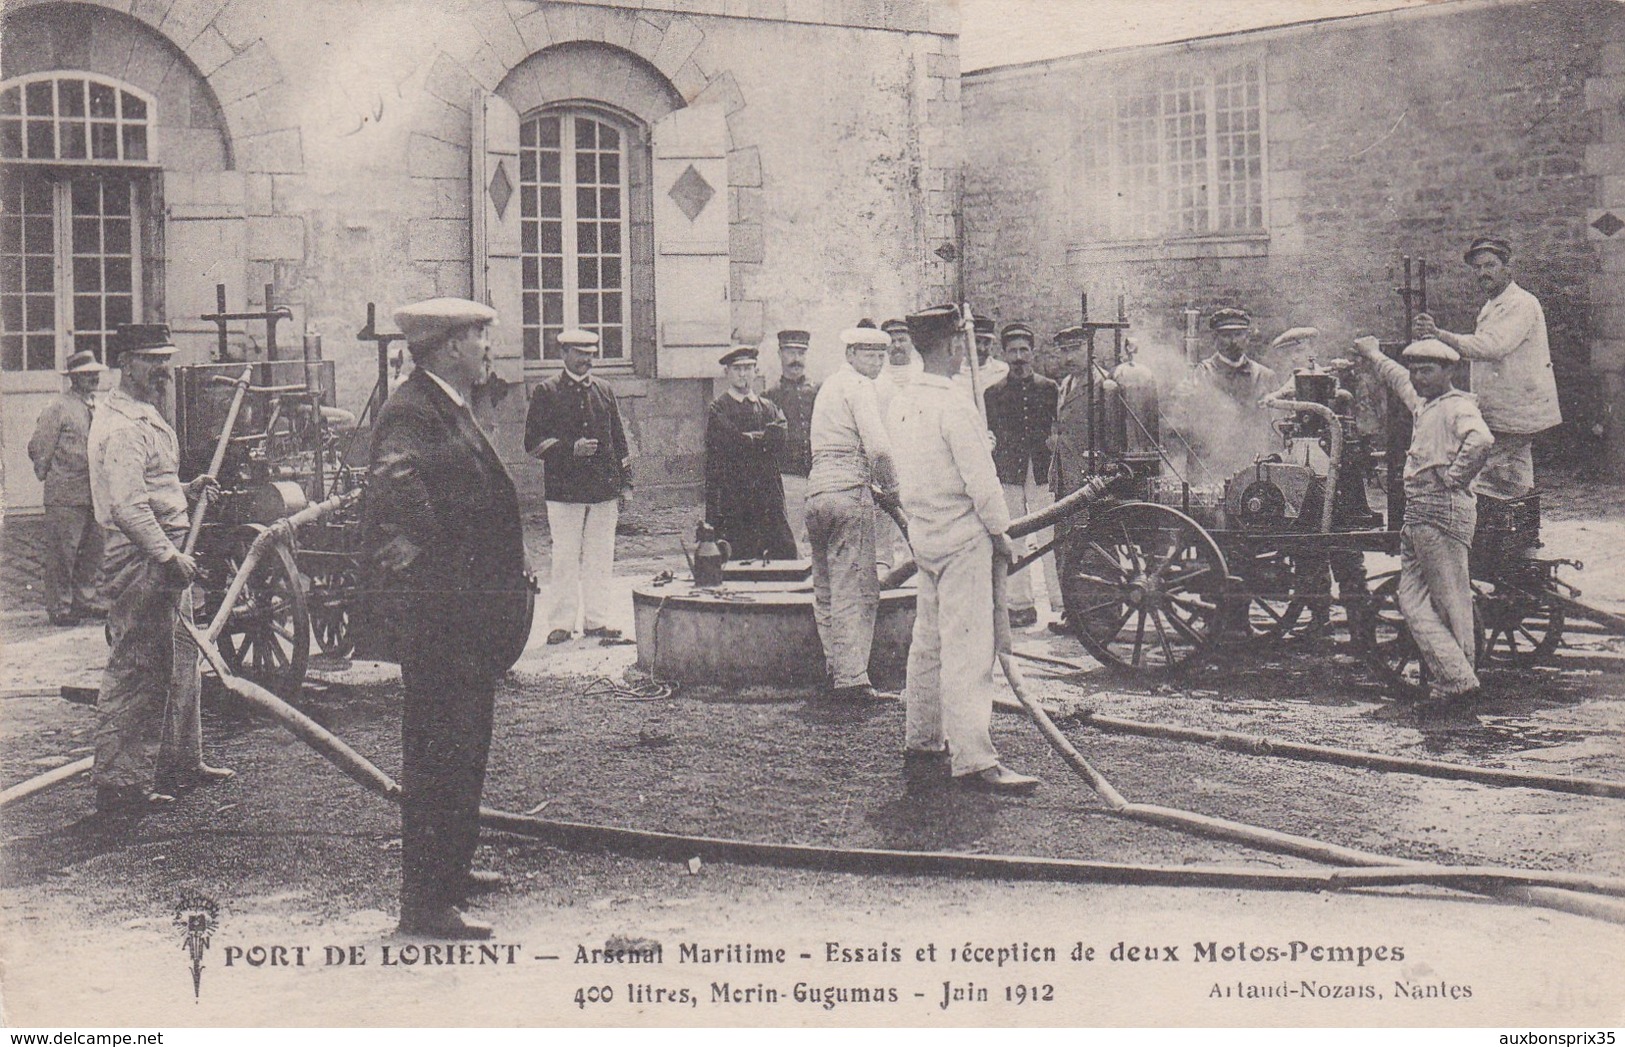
(1388, 647)
(1520, 628)
(266, 639)
(332, 591)
(1142, 587)
(1275, 610)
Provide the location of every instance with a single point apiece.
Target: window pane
(608, 137)
(41, 140)
(611, 199)
(118, 274)
(527, 237)
(87, 312)
(532, 273)
(102, 102)
(586, 168)
(134, 108)
(39, 98)
(527, 165)
(552, 237)
(586, 203)
(552, 206)
(611, 269)
(73, 141)
(11, 274)
(588, 304)
(586, 136)
(532, 309)
(552, 307)
(613, 348)
(104, 141)
(41, 312)
(549, 167)
(533, 343)
(37, 196)
(11, 140)
(37, 236)
(586, 273)
(11, 314)
(11, 102)
(41, 273)
(70, 97)
(612, 307)
(609, 169)
(86, 194)
(91, 343)
(87, 236)
(552, 273)
(135, 142)
(87, 274)
(116, 236)
(41, 352)
(548, 131)
(587, 237)
(118, 310)
(527, 133)
(11, 235)
(611, 236)
(11, 352)
(527, 202)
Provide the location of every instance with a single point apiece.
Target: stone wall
(1406, 133)
(344, 131)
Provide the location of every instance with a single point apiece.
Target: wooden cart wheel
(1388, 647)
(1142, 587)
(267, 637)
(1520, 628)
(331, 594)
(1275, 610)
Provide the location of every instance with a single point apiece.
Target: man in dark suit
(446, 557)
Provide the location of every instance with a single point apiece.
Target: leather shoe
(558, 636)
(185, 781)
(484, 881)
(1060, 627)
(1024, 617)
(605, 631)
(999, 779)
(445, 923)
(861, 693)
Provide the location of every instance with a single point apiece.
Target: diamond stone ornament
(691, 192)
(501, 188)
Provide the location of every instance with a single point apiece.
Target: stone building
(1289, 169)
(677, 175)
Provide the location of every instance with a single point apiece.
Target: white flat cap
(438, 317)
(1430, 349)
(585, 341)
(866, 336)
(1294, 335)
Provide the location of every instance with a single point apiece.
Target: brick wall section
(1387, 135)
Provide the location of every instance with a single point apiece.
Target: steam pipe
(1334, 427)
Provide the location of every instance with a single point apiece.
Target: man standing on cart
(1511, 368)
(1449, 444)
(149, 731)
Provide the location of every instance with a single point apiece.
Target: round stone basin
(754, 633)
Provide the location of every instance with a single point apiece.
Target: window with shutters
(578, 171)
(1179, 157)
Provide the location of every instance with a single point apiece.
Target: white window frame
(630, 138)
(150, 122)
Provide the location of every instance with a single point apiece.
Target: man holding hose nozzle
(1449, 445)
(957, 523)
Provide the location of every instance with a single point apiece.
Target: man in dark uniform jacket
(574, 425)
(794, 396)
(446, 561)
(744, 497)
(1021, 416)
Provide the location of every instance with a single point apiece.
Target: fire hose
(1540, 887)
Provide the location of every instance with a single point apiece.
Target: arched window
(74, 188)
(577, 170)
(74, 116)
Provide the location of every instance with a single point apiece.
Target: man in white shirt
(1511, 369)
(957, 522)
(901, 368)
(850, 451)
